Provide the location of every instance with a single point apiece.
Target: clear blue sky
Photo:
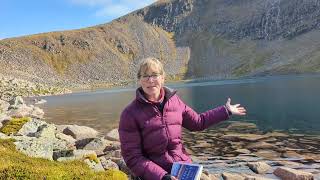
(25, 17)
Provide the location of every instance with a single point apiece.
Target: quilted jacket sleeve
(198, 122)
(131, 150)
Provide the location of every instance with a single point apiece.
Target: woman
(150, 126)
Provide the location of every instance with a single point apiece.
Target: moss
(15, 165)
(14, 125)
(92, 157)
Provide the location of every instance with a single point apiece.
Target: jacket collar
(168, 93)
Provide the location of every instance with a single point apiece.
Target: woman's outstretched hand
(235, 109)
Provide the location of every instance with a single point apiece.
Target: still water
(289, 103)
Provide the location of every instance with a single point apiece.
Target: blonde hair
(149, 63)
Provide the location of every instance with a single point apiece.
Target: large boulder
(80, 132)
(286, 173)
(31, 127)
(34, 147)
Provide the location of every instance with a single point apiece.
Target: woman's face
(151, 82)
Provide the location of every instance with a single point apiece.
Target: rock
(292, 154)
(4, 105)
(4, 118)
(267, 154)
(202, 145)
(277, 134)
(95, 166)
(261, 145)
(291, 174)
(114, 146)
(108, 164)
(255, 177)
(242, 127)
(31, 127)
(232, 176)
(69, 155)
(115, 153)
(70, 141)
(123, 167)
(42, 101)
(243, 137)
(214, 176)
(113, 135)
(61, 128)
(80, 132)
(243, 151)
(204, 177)
(98, 145)
(34, 147)
(20, 111)
(289, 164)
(37, 113)
(16, 101)
(46, 131)
(259, 167)
(4, 136)
(62, 154)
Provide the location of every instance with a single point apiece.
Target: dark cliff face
(232, 38)
(194, 38)
(237, 19)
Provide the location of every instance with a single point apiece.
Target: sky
(25, 17)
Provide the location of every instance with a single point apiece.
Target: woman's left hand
(235, 109)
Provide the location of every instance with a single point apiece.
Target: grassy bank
(15, 165)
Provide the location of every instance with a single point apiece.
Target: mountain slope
(194, 38)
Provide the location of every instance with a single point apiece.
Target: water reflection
(284, 103)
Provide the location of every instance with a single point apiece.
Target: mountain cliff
(217, 39)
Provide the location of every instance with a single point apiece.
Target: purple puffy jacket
(151, 140)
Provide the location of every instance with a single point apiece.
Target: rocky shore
(36, 138)
(240, 151)
(237, 151)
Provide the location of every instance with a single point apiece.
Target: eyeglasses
(151, 77)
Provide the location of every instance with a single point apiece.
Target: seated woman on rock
(150, 126)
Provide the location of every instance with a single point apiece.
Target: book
(186, 171)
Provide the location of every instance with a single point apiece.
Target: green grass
(15, 165)
(14, 125)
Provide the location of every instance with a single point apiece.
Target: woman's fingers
(228, 101)
(236, 105)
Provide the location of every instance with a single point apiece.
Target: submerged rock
(259, 167)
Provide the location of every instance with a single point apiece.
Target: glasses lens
(151, 77)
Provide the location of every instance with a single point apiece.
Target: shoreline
(225, 149)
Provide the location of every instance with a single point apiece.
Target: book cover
(186, 171)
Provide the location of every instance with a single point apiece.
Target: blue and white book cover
(186, 171)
